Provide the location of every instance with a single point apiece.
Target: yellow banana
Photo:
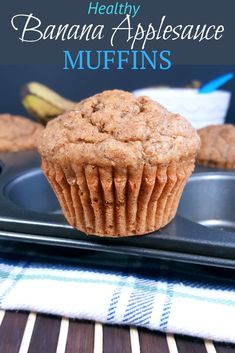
(42, 102)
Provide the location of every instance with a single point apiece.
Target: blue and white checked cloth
(154, 298)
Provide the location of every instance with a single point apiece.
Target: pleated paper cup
(116, 201)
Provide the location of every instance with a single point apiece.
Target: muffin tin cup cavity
(209, 199)
(31, 191)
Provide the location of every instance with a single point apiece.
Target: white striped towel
(154, 298)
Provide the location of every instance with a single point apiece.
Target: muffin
(18, 133)
(217, 146)
(118, 164)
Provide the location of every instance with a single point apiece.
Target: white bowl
(200, 109)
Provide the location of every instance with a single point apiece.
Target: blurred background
(76, 85)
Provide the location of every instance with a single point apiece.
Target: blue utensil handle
(215, 84)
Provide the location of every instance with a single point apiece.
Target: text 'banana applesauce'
(31, 29)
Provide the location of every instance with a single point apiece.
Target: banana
(42, 102)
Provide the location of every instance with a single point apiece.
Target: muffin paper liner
(115, 201)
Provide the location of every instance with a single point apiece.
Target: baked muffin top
(18, 133)
(116, 128)
(217, 145)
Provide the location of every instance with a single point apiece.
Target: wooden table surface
(35, 333)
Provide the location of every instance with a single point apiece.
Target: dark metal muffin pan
(202, 231)
(209, 199)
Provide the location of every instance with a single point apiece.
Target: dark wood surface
(45, 334)
(30, 333)
(11, 332)
(116, 339)
(80, 337)
(186, 345)
(150, 342)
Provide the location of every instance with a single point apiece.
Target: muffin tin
(202, 231)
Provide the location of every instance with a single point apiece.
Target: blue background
(79, 84)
